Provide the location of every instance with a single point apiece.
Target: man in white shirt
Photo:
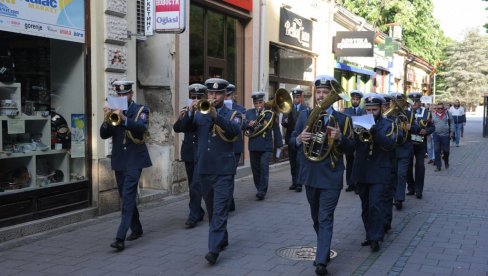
(459, 119)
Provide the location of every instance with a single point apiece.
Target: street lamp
(409, 59)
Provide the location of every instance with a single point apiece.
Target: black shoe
(366, 243)
(232, 208)
(134, 236)
(430, 161)
(437, 170)
(418, 195)
(223, 245)
(375, 246)
(321, 269)
(410, 193)
(398, 204)
(386, 228)
(260, 196)
(211, 258)
(298, 189)
(349, 189)
(118, 244)
(292, 187)
(190, 224)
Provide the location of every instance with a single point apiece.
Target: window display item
(7, 69)
(60, 132)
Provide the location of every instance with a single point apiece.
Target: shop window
(214, 40)
(42, 114)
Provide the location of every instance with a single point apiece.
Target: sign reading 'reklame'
(353, 44)
(169, 16)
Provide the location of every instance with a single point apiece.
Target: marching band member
(372, 170)
(129, 157)
(323, 176)
(188, 152)
(261, 146)
(216, 130)
(419, 138)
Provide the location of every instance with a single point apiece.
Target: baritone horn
(281, 103)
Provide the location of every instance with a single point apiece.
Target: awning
(380, 68)
(346, 67)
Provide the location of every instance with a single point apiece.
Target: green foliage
(421, 31)
(465, 75)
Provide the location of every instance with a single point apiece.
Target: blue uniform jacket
(291, 121)
(351, 112)
(239, 144)
(189, 144)
(405, 149)
(260, 143)
(214, 154)
(128, 155)
(424, 121)
(377, 167)
(322, 174)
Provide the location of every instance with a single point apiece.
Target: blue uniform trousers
(441, 145)
(388, 195)
(372, 206)
(195, 190)
(322, 205)
(232, 202)
(127, 182)
(294, 166)
(217, 192)
(260, 170)
(416, 184)
(349, 165)
(401, 178)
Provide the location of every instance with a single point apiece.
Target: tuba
(320, 145)
(282, 103)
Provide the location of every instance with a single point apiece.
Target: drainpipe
(262, 42)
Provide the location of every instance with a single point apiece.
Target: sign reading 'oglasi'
(169, 16)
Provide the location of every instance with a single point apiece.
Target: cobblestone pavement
(445, 233)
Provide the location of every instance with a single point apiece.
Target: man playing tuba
(322, 166)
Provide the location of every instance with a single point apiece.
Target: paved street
(445, 233)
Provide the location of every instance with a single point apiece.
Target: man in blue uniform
(216, 132)
(239, 143)
(372, 170)
(261, 146)
(129, 157)
(289, 121)
(354, 110)
(404, 148)
(419, 138)
(323, 178)
(188, 154)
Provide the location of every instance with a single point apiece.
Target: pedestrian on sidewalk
(188, 155)
(261, 146)
(322, 174)
(423, 118)
(443, 123)
(289, 121)
(373, 169)
(459, 120)
(354, 110)
(217, 129)
(129, 157)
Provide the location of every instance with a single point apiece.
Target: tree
(466, 70)
(421, 31)
(486, 25)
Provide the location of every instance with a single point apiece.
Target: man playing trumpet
(322, 172)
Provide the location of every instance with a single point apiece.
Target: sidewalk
(445, 233)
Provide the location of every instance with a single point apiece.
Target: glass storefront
(43, 131)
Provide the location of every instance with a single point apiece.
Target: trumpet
(113, 118)
(205, 105)
(364, 134)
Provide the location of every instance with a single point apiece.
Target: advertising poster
(78, 132)
(59, 19)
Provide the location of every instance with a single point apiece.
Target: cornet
(364, 134)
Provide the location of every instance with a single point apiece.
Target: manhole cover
(301, 253)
